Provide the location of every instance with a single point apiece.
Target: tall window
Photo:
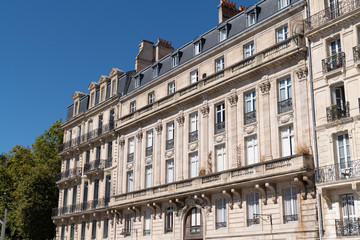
(147, 224)
(221, 213)
(220, 118)
(96, 191)
(90, 134)
(290, 205)
(98, 152)
(113, 84)
(171, 87)
(83, 229)
(93, 229)
(249, 50)
(156, 70)
(343, 151)
(175, 59)
(250, 107)
(194, 165)
(148, 177)
(197, 48)
(223, 34)
(74, 196)
(220, 158)
(103, 94)
(334, 8)
(193, 127)
(149, 143)
(128, 223)
(65, 197)
(251, 150)
(251, 18)
(87, 156)
(282, 34)
(195, 221)
(130, 181)
(63, 232)
(85, 195)
(151, 98)
(219, 64)
(287, 141)
(132, 106)
(347, 207)
(137, 82)
(194, 76)
(100, 125)
(106, 228)
(92, 99)
(285, 89)
(76, 108)
(253, 209)
(170, 135)
(169, 218)
(131, 149)
(72, 231)
(107, 189)
(109, 151)
(283, 3)
(170, 171)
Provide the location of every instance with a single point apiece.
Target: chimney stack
(162, 48)
(228, 9)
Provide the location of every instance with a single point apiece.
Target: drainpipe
(316, 159)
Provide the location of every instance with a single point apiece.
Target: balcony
(108, 162)
(249, 117)
(347, 227)
(82, 207)
(87, 136)
(219, 127)
(333, 62)
(149, 151)
(285, 106)
(168, 229)
(336, 112)
(169, 144)
(291, 218)
(193, 136)
(337, 172)
(68, 174)
(195, 229)
(325, 16)
(94, 166)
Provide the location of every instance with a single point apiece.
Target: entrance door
(193, 229)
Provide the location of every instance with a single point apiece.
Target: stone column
(179, 137)
(139, 169)
(232, 130)
(265, 128)
(204, 137)
(157, 156)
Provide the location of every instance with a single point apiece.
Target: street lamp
(4, 222)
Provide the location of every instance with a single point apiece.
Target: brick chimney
(162, 48)
(228, 9)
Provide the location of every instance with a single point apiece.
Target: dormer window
(76, 109)
(113, 85)
(175, 59)
(252, 15)
(198, 45)
(102, 94)
(283, 3)
(223, 31)
(92, 99)
(137, 82)
(156, 70)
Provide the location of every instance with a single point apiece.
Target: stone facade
(225, 153)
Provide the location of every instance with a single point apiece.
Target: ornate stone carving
(159, 128)
(220, 138)
(197, 202)
(148, 160)
(139, 134)
(285, 118)
(180, 119)
(129, 166)
(250, 129)
(122, 141)
(265, 87)
(193, 146)
(169, 154)
(301, 73)
(233, 99)
(205, 109)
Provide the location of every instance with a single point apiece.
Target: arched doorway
(193, 225)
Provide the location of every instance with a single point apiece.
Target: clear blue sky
(49, 49)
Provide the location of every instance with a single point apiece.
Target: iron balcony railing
(70, 173)
(356, 52)
(169, 144)
(333, 62)
(195, 229)
(335, 11)
(108, 162)
(285, 105)
(336, 112)
(250, 117)
(347, 227)
(81, 207)
(220, 225)
(253, 221)
(336, 172)
(94, 165)
(168, 229)
(291, 218)
(149, 151)
(193, 136)
(130, 157)
(219, 127)
(87, 136)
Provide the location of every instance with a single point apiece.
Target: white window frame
(194, 122)
(221, 212)
(251, 18)
(194, 165)
(197, 47)
(287, 141)
(283, 3)
(169, 218)
(171, 87)
(155, 71)
(195, 220)
(220, 112)
(170, 131)
(132, 106)
(148, 176)
(223, 34)
(251, 150)
(175, 60)
(170, 171)
(253, 207)
(250, 101)
(151, 97)
(348, 207)
(194, 76)
(131, 142)
(102, 92)
(130, 181)
(219, 64)
(282, 33)
(220, 152)
(249, 50)
(149, 138)
(137, 82)
(113, 90)
(290, 203)
(92, 96)
(343, 150)
(334, 46)
(147, 222)
(285, 89)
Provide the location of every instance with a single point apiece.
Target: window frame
(249, 49)
(283, 32)
(281, 2)
(251, 142)
(290, 214)
(151, 97)
(196, 74)
(193, 162)
(287, 86)
(130, 181)
(287, 133)
(253, 206)
(219, 148)
(148, 176)
(133, 106)
(221, 213)
(219, 64)
(171, 87)
(170, 167)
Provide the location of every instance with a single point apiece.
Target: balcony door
(193, 225)
(343, 152)
(338, 97)
(334, 8)
(347, 206)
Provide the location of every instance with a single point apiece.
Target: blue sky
(49, 49)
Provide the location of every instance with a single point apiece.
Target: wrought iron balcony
(333, 62)
(130, 157)
(168, 229)
(68, 174)
(336, 172)
(249, 117)
(219, 127)
(169, 144)
(98, 164)
(329, 13)
(220, 225)
(336, 112)
(81, 207)
(108, 162)
(285, 105)
(291, 218)
(193, 136)
(347, 227)
(253, 221)
(149, 151)
(195, 229)
(356, 52)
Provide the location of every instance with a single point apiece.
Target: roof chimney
(145, 56)
(162, 48)
(228, 9)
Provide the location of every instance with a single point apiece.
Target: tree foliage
(27, 175)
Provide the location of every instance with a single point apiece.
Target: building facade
(333, 29)
(211, 140)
